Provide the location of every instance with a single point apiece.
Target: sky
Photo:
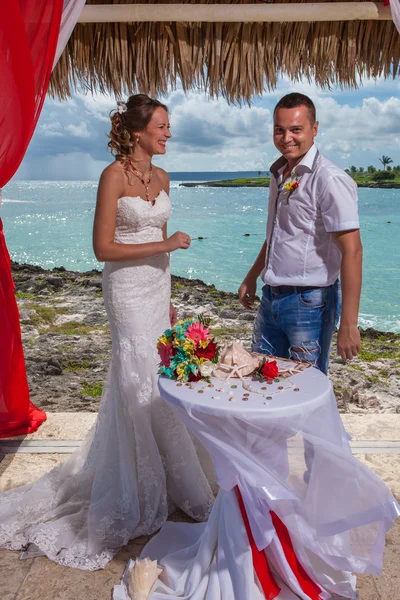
(356, 128)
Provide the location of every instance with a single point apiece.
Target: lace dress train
(139, 461)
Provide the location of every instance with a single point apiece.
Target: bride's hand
(172, 314)
(178, 240)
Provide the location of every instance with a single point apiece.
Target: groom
(312, 237)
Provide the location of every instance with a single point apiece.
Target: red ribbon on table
(260, 561)
(308, 586)
(261, 566)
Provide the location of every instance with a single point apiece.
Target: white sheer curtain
(395, 8)
(71, 11)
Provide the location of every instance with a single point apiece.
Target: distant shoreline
(264, 183)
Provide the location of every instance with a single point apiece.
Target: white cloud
(98, 105)
(210, 135)
(373, 127)
(79, 130)
(51, 129)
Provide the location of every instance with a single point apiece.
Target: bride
(138, 462)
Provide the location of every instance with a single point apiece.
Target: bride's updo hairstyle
(129, 117)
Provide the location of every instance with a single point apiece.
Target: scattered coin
(296, 390)
(200, 391)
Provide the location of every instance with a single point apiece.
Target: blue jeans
(298, 325)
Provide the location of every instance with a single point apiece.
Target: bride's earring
(138, 140)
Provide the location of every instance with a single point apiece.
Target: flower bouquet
(188, 352)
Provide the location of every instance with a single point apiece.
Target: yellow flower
(291, 185)
(163, 340)
(204, 344)
(188, 345)
(180, 369)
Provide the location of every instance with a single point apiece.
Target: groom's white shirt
(300, 248)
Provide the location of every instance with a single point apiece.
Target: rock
(29, 331)
(227, 313)
(95, 318)
(369, 402)
(52, 370)
(56, 282)
(247, 316)
(53, 367)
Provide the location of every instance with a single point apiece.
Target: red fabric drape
(260, 562)
(308, 586)
(28, 39)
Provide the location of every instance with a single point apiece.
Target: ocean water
(49, 223)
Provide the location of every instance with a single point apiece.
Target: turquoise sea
(49, 223)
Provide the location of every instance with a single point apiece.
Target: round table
(294, 506)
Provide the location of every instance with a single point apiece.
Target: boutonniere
(290, 187)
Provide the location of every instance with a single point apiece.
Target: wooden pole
(235, 13)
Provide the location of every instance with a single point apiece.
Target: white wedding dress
(138, 462)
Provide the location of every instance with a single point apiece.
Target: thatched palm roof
(235, 60)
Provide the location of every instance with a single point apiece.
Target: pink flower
(198, 333)
(165, 352)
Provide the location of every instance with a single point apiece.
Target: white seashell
(142, 577)
(235, 361)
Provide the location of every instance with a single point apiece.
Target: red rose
(193, 377)
(208, 352)
(270, 369)
(295, 185)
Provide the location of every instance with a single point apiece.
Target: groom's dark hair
(295, 100)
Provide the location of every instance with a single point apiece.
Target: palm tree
(353, 169)
(385, 160)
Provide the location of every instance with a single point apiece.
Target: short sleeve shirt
(300, 247)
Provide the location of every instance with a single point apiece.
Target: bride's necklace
(139, 175)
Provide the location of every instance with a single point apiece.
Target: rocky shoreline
(67, 341)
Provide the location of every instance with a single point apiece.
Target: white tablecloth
(288, 452)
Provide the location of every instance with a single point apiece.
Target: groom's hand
(247, 292)
(348, 341)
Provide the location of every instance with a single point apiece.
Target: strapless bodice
(139, 221)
